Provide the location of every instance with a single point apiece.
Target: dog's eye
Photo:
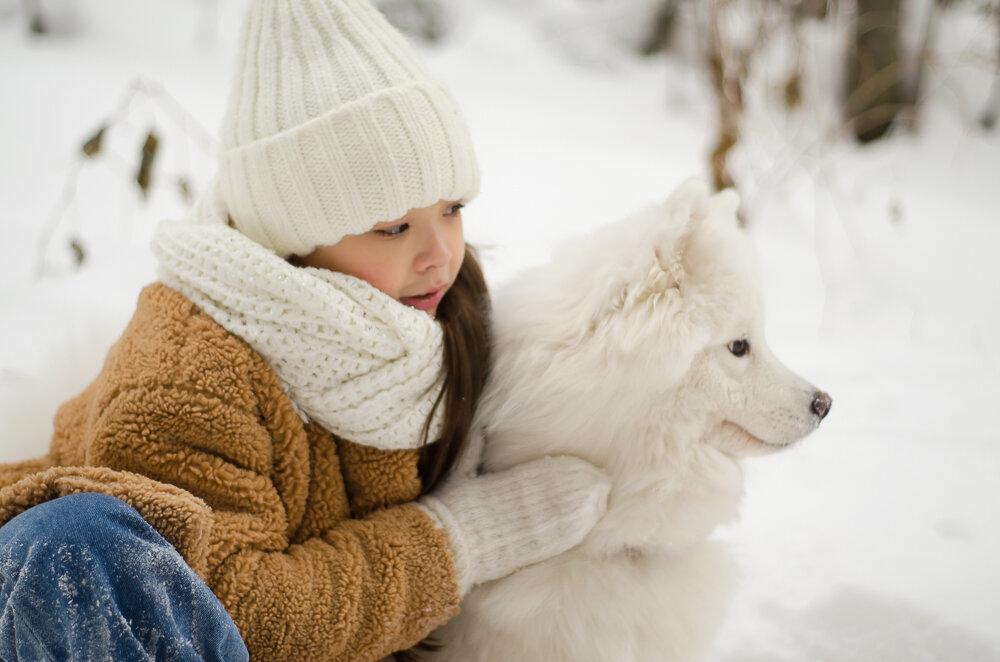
(739, 347)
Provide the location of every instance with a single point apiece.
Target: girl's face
(414, 259)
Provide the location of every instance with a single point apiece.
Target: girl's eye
(394, 230)
(454, 209)
(739, 347)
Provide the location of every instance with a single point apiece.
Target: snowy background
(877, 539)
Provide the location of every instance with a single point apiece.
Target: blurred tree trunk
(992, 110)
(915, 65)
(659, 36)
(424, 19)
(874, 69)
(815, 9)
(37, 22)
(727, 69)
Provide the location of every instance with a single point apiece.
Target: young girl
(258, 468)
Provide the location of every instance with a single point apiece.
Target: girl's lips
(428, 301)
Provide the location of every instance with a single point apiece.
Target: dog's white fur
(618, 352)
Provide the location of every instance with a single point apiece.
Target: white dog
(639, 349)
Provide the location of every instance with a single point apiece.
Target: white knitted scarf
(365, 366)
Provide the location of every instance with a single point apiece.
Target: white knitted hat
(333, 126)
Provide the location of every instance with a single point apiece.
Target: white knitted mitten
(497, 523)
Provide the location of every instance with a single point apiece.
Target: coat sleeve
(206, 415)
(363, 589)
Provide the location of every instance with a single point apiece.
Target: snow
(874, 540)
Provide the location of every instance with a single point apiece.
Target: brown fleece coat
(306, 539)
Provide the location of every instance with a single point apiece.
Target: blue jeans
(84, 577)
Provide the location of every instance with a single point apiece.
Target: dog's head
(651, 326)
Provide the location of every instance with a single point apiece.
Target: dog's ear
(655, 283)
(687, 209)
(724, 207)
(692, 203)
(671, 265)
(680, 217)
(683, 212)
(687, 206)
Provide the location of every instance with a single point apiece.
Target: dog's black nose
(821, 404)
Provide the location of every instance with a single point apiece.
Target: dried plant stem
(138, 90)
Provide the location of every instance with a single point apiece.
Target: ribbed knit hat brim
(341, 173)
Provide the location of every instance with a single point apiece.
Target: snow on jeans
(84, 577)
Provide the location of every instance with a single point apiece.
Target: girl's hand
(497, 523)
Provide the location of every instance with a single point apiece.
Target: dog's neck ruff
(365, 366)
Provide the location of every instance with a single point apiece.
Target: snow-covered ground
(874, 540)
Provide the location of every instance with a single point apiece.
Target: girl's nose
(435, 252)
